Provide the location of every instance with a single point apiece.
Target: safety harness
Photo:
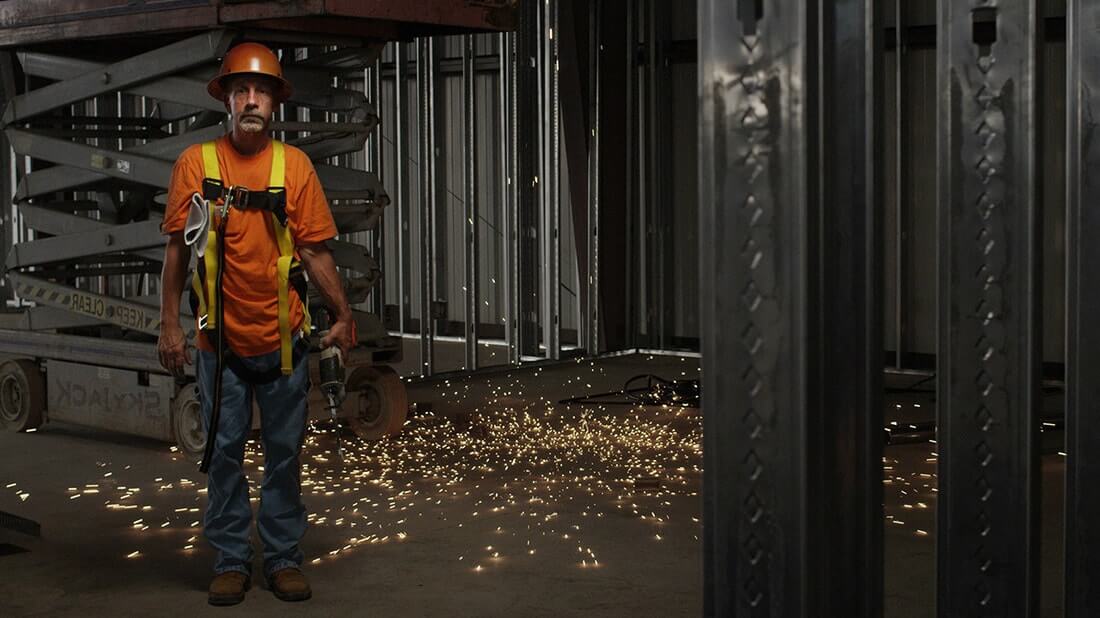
(205, 282)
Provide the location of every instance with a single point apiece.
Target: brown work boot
(290, 585)
(228, 588)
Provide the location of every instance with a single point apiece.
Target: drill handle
(322, 319)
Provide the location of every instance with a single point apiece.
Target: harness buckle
(238, 196)
(203, 319)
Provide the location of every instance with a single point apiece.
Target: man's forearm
(173, 277)
(321, 267)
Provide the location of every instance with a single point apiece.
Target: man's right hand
(172, 348)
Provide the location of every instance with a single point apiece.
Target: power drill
(331, 369)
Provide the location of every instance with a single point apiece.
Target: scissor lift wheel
(187, 426)
(22, 395)
(381, 402)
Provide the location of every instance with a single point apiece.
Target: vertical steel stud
(401, 137)
(425, 68)
(791, 308)
(509, 191)
(437, 189)
(656, 265)
(901, 189)
(845, 276)
(988, 347)
(1082, 306)
(470, 220)
(754, 206)
(591, 341)
(528, 198)
(549, 178)
(378, 247)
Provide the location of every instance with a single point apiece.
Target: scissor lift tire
(22, 395)
(380, 402)
(187, 425)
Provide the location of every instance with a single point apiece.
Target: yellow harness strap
(286, 257)
(210, 161)
(210, 260)
(286, 261)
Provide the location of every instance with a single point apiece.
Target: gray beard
(250, 125)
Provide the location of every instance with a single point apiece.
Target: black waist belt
(273, 199)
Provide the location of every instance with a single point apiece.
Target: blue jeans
(283, 416)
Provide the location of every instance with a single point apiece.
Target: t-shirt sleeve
(307, 209)
(186, 179)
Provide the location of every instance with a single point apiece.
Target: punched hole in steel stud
(983, 25)
(748, 13)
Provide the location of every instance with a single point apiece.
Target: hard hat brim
(216, 86)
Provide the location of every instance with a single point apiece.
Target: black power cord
(657, 391)
(219, 329)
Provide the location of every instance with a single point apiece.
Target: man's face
(250, 100)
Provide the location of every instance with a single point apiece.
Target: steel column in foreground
(848, 544)
(753, 219)
(790, 308)
(1082, 307)
(988, 370)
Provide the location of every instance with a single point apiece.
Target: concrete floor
(522, 507)
(499, 501)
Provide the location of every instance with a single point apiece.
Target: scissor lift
(98, 105)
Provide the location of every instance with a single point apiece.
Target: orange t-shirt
(250, 281)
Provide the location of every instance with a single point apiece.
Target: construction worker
(276, 220)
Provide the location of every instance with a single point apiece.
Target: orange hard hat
(246, 59)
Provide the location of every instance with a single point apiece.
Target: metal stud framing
(470, 220)
(901, 184)
(1082, 537)
(847, 547)
(591, 312)
(656, 269)
(789, 230)
(525, 83)
(509, 61)
(612, 149)
(548, 180)
(752, 161)
(377, 235)
(987, 379)
(425, 70)
(404, 241)
(530, 152)
(437, 192)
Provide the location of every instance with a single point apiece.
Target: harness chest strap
(286, 263)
